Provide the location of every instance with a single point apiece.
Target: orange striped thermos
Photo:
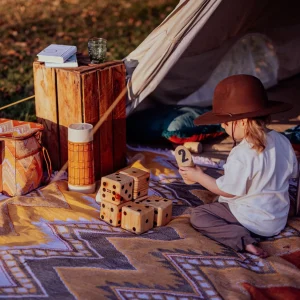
(81, 177)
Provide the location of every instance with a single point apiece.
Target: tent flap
(180, 55)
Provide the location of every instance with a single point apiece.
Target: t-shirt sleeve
(234, 180)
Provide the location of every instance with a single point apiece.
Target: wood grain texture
(46, 110)
(111, 213)
(106, 133)
(116, 188)
(119, 118)
(70, 108)
(91, 114)
(137, 218)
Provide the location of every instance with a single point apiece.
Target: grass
(28, 26)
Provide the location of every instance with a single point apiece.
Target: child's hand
(191, 173)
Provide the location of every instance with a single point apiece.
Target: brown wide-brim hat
(239, 97)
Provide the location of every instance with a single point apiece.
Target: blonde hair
(255, 132)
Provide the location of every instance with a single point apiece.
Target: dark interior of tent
(165, 117)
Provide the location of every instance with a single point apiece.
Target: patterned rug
(53, 245)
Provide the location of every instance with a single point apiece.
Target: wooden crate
(83, 94)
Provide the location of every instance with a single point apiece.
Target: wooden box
(83, 94)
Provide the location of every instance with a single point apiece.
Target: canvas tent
(183, 52)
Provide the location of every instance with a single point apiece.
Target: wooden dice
(137, 218)
(111, 213)
(116, 188)
(124, 202)
(141, 181)
(162, 209)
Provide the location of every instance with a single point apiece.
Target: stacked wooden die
(124, 202)
(140, 181)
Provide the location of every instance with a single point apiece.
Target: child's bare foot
(256, 251)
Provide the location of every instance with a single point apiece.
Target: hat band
(224, 114)
(240, 113)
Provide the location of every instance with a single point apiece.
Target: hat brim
(272, 108)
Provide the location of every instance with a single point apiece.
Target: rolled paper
(81, 177)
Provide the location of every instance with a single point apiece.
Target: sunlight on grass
(27, 26)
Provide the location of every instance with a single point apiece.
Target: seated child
(253, 192)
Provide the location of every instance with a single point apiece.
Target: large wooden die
(116, 188)
(111, 213)
(137, 218)
(141, 181)
(162, 209)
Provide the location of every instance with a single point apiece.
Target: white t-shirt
(260, 182)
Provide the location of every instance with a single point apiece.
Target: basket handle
(48, 164)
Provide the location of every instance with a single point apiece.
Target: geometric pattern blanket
(53, 245)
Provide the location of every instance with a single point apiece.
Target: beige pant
(216, 221)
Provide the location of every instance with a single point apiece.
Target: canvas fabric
(22, 156)
(180, 55)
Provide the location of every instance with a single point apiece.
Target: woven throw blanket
(53, 245)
